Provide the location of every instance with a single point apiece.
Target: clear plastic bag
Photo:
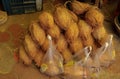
(84, 53)
(75, 71)
(52, 63)
(95, 67)
(110, 49)
(106, 54)
(76, 68)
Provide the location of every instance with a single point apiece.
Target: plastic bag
(95, 67)
(52, 63)
(75, 71)
(110, 49)
(104, 57)
(106, 54)
(76, 68)
(83, 54)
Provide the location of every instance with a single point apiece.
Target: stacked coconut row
(71, 31)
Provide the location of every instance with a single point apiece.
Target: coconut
(61, 43)
(79, 7)
(37, 33)
(76, 45)
(54, 32)
(38, 58)
(74, 16)
(72, 32)
(84, 29)
(67, 55)
(94, 17)
(63, 17)
(100, 34)
(46, 20)
(45, 45)
(30, 46)
(23, 56)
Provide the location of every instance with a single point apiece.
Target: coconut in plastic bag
(110, 52)
(95, 67)
(75, 69)
(52, 63)
(106, 54)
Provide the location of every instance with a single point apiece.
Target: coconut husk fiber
(63, 17)
(94, 17)
(79, 7)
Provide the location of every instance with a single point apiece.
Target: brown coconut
(23, 56)
(63, 17)
(38, 58)
(46, 20)
(76, 45)
(61, 43)
(45, 45)
(72, 32)
(84, 29)
(99, 34)
(30, 46)
(54, 32)
(94, 17)
(85, 34)
(73, 15)
(67, 55)
(79, 7)
(37, 33)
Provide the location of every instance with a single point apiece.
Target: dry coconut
(38, 58)
(54, 32)
(45, 45)
(79, 7)
(37, 33)
(23, 56)
(73, 15)
(46, 20)
(61, 43)
(30, 46)
(94, 17)
(89, 42)
(84, 29)
(99, 34)
(72, 32)
(85, 33)
(63, 17)
(76, 45)
(67, 55)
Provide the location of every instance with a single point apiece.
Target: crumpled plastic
(105, 55)
(52, 63)
(76, 68)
